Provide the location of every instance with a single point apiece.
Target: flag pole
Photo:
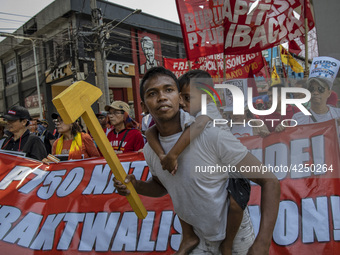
(224, 67)
(306, 73)
(271, 66)
(288, 54)
(280, 49)
(217, 68)
(271, 62)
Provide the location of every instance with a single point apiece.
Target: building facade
(66, 40)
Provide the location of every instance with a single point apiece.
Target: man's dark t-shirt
(27, 143)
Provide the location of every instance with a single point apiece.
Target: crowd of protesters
(22, 135)
(34, 139)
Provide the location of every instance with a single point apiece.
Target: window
(27, 63)
(11, 72)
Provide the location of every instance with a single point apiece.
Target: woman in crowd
(72, 141)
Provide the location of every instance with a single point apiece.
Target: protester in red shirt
(274, 120)
(125, 136)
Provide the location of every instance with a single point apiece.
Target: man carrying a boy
(199, 197)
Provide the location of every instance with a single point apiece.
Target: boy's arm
(152, 138)
(169, 162)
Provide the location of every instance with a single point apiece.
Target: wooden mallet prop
(75, 102)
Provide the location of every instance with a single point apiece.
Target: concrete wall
(327, 20)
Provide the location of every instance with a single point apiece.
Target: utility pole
(101, 33)
(100, 55)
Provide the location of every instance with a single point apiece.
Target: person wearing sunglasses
(320, 82)
(125, 135)
(72, 143)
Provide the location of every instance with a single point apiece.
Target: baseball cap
(323, 70)
(118, 105)
(259, 101)
(17, 112)
(101, 113)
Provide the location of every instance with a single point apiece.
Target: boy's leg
(235, 215)
(189, 239)
(245, 236)
(239, 193)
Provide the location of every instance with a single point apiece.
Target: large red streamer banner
(236, 26)
(237, 67)
(72, 207)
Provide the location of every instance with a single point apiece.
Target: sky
(14, 13)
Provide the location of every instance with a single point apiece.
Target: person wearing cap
(301, 84)
(33, 127)
(72, 142)
(104, 121)
(20, 139)
(322, 74)
(260, 105)
(125, 135)
(45, 135)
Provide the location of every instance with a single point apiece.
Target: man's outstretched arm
(270, 200)
(150, 188)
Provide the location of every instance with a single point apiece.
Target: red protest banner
(236, 27)
(306, 160)
(72, 207)
(178, 66)
(202, 27)
(237, 66)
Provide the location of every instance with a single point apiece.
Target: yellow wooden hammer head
(73, 101)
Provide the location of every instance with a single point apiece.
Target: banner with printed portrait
(150, 52)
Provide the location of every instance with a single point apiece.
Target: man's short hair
(185, 79)
(154, 72)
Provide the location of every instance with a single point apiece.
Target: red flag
(264, 72)
(261, 73)
(306, 12)
(266, 69)
(294, 48)
(252, 83)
